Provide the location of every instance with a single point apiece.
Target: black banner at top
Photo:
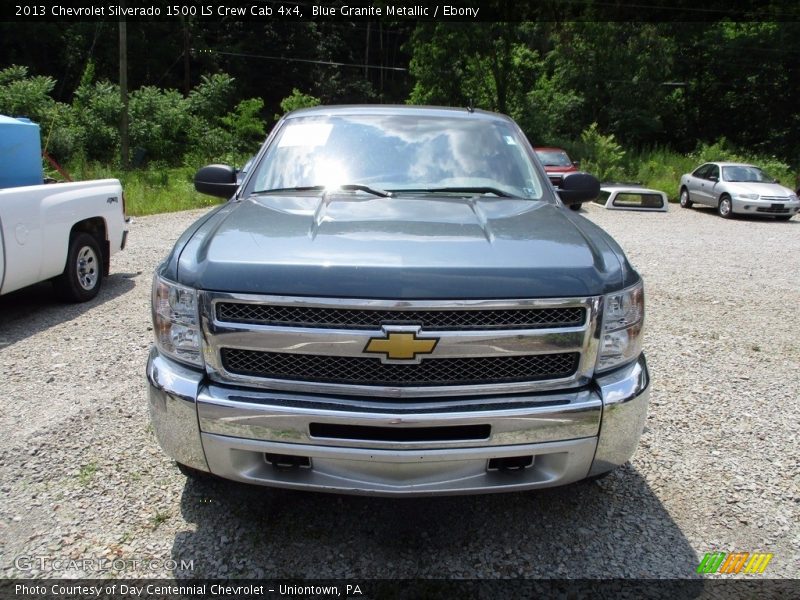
(400, 10)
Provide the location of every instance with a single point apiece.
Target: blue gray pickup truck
(395, 301)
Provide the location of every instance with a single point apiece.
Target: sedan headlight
(623, 326)
(746, 196)
(176, 321)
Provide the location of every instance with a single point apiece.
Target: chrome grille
(370, 371)
(431, 320)
(317, 344)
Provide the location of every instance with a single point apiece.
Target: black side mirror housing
(577, 188)
(216, 180)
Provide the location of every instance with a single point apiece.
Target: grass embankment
(661, 169)
(151, 190)
(158, 189)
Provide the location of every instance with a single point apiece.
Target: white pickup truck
(65, 232)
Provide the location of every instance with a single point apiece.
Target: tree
(488, 65)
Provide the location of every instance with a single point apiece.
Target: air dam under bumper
(457, 446)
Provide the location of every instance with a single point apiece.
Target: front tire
(83, 274)
(685, 201)
(725, 207)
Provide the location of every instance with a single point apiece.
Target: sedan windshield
(750, 174)
(398, 153)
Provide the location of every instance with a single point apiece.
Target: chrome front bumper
(229, 431)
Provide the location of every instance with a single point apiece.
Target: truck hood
(407, 247)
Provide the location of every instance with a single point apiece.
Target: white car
(623, 196)
(738, 188)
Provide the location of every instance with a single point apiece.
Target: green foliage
(601, 154)
(211, 98)
(159, 123)
(25, 96)
(164, 126)
(661, 168)
(722, 149)
(489, 66)
(155, 189)
(297, 100)
(245, 125)
(95, 117)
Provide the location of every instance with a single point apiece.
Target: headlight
(747, 196)
(176, 322)
(623, 321)
(792, 197)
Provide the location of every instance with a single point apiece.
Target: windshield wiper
(462, 190)
(365, 188)
(349, 187)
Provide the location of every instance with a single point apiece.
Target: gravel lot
(81, 475)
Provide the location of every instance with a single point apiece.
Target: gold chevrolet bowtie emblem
(400, 345)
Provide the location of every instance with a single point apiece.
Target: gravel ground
(81, 475)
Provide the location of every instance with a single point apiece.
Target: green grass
(152, 190)
(661, 169)
(86, 473)
(159, 189)
(158, 518)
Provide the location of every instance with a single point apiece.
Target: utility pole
(187, 79)
(123, 91)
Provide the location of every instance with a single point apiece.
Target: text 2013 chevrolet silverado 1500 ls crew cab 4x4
(395, 301)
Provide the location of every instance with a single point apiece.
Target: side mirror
(216, 180)
(713, 178)
(576, 164)
(578, 187)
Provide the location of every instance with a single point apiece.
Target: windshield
(397, 153)
(750, 174)
(554, 158)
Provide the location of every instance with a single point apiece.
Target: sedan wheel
(725, 207)
(685, 202)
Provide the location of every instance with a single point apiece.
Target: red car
(557, 163)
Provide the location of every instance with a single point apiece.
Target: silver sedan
(737, 188)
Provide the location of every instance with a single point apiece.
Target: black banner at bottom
(568, 589)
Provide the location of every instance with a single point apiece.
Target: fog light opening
(510, 463)
(287, 462)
